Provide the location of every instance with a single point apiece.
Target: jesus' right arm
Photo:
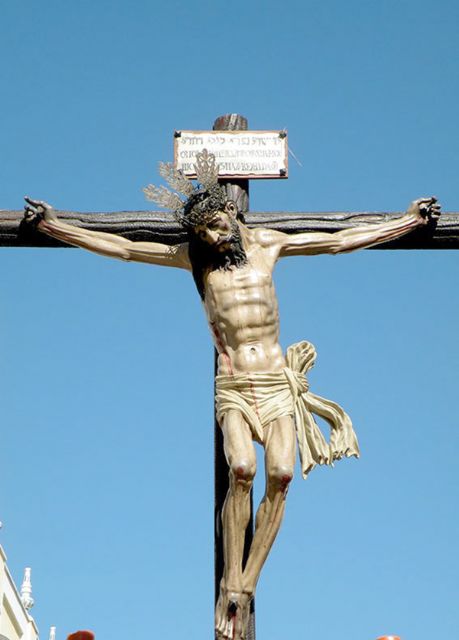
(106, 244)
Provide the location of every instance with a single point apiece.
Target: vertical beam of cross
(238, 191)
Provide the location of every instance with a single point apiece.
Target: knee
(243, 470)
(280, 476)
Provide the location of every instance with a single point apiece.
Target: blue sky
(106, 367)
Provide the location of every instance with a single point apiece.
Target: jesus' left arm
(419, 214)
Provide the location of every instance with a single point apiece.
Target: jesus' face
(219, 231)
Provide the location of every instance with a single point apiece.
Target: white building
(16, 623)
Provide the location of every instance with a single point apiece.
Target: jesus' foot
(232, 615)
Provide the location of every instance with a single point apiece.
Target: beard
(206, 257)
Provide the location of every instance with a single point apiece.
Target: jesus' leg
(232, 609)
(280, 448)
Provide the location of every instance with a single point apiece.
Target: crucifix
(262, 395)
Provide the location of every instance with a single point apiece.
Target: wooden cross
(160, 227)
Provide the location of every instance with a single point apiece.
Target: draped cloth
(263, 397)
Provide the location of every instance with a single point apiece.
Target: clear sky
(106, 368)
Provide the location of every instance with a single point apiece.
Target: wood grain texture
(158, 226)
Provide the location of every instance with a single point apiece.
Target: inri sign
(239, 154)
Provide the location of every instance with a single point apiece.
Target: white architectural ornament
(16, 622)
(26, 590)
(52, 633)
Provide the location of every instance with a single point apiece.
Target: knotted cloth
(263, 397)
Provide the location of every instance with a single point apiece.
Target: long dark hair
(204, 257)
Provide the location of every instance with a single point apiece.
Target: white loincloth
(263, 397)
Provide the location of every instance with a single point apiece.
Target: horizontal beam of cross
(156, 226)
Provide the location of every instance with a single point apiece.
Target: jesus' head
(216, 244)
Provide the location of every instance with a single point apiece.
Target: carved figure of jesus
(262, 394)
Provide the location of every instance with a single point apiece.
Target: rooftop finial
(52, 633)
(26, 590)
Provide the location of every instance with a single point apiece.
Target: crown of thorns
(202, 200)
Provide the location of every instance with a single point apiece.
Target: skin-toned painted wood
(238, 192)
(241, 307)
(154, 226)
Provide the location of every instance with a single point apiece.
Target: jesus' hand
(37, 210)
(425, 209)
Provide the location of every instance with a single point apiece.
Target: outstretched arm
(419, 213)
(106, 244)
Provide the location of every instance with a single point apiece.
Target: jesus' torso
(242, 311)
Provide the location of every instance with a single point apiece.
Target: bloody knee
(242, 471)
(280, 476)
